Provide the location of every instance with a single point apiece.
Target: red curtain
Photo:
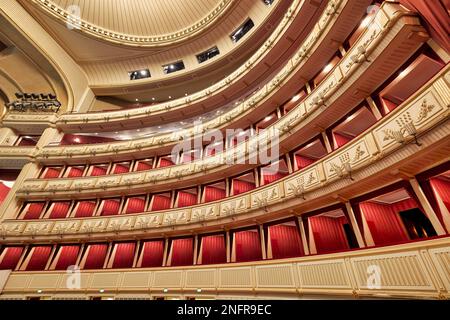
(11, 256)
(214, 249)
(52, 173)
(96, 256)
(124, 256)
(442, 188)
(4, 190)
(67, 257)
(328, 233)
(285, 241)
(240, 186)
(98, 171)
(340, 139)
(75, 172)
(163, 162)
(110, 207)
(182, 252)
(152, 254)
(143, 166)
(160, 203)
(71, 139)
(39, 258)
(303, 162)
(247, 246)
(213, 194)
(186, 199)
(135, 205)
(119, 168)
(435, 14)
(272, 177)
(384, 223)
(85, 209)
(60, 210)
(34, 210)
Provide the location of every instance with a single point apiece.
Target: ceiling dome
(138, 22)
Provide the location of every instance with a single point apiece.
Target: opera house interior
(224, 149)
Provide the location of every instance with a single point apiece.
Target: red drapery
(247, 246)
(135, 205)
(269, 177)
(67, 257)
(124, 255)
(285, 241)
(240, 186)
(120, 168)
(143, 166)
(152, 254)
(39, 258)
(51, 173)
(441, 188)
(110, 207)
(98, 171)
(71, 139)
(436, 18)
(328, 233)
(163, 162)
(96, 256)
(303, 162)
(60, 210)
(75, 172)
(160, 203)
(11, 256)
(214, 249)
(340, 139)
(4, 190)
(186, 199)
(85, 209)
(384, 223)
(213, 194)
(182, 252)
(34, 210)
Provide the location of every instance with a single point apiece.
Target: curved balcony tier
(372, 160)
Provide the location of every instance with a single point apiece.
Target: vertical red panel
(143, 166)
(119, 168)
(160, 202)
(75, 172)
(34, 210)
(60, 210)
(110, 207)
(186, 199)
(182, 252)
(384, 223)
(214, 249)
(328, 234)
(163, 162)
(124, 255)
(67, 257)
(98, 171)
(85, 209)
(52, 173)
(39, 258)
(441, 188)
(152, 254)
(11, 257)
(4, 190)
(285, 241)
(213, 194)
(272, 177)
(340, 139)
(135, 205)
(240, 186)
(303, 162)
(247, 246)
(96, 256)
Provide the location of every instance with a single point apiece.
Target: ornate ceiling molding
(63, 16)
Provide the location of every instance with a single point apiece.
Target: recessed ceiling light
(185, 94)
(39, 291)
(199, 290)
(153, 99)
(77, 140)
(138, 130)
(166, 290)
(101, 290)
(170, 97)
(137, 100)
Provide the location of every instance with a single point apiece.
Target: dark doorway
(351, 239)
(417, 224)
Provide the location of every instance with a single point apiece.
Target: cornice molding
(63, 16)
